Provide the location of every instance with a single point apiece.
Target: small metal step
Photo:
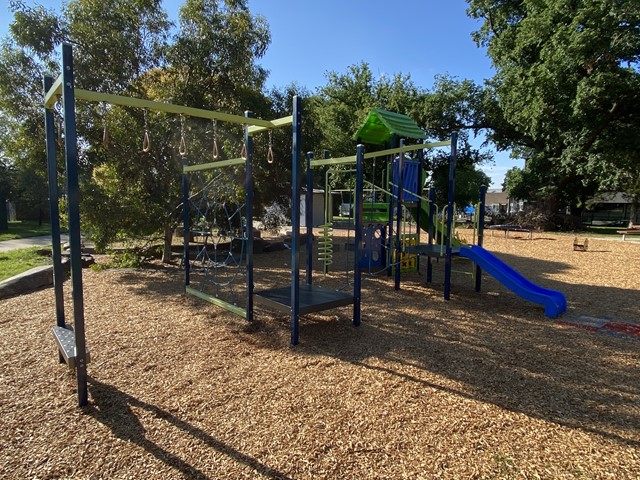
(67, 345)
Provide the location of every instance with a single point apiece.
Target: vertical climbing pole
(308, 218)
(295, 220)
(399, 204)
(248, 185)
(73, 200)
(450, 214)
(420, 190)
(480, 214)
(54, 211)
(357, 265)
(393, 143)
(431, 231)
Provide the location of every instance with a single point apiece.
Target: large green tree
(114, 43)
(568, 86)
(450, 106)
(127, 48)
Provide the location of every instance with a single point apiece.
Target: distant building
(610, 208)
(499, 202)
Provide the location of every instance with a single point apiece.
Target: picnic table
(632, 230)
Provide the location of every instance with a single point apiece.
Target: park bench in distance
(632, 230)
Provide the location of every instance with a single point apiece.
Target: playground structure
(388, 243)
(294, 299)
(236, 261)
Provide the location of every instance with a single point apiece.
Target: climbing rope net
(219, 231)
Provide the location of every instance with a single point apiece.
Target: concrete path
(42, 241)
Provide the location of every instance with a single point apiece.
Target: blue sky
(311, 37)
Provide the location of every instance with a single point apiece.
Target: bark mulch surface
(481, 386)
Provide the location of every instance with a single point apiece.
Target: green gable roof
(381, 124)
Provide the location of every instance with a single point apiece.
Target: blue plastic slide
(554, 302)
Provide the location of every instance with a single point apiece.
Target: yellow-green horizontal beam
(277, 123)
(51, 96)
(216, 301)
(167, 107)
(333, 161)
(213, 165)
(88, 95)
(381, 153)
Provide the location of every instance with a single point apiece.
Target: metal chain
(243, 152)
(183, 144)
(146, 144)
(216, 153)
(106, 137)
(270, 152)
(59, 123)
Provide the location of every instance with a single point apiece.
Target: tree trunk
(168, 240)
(634, 218)
(4, 225)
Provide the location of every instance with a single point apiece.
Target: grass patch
(602, 230)
(17, 261)
(24, 229)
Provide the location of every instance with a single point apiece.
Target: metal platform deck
(313, 298)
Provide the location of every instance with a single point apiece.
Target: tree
(124, 48)
(567, 85)
(468, 179)
(30, 50)
(6, 174)
(451, 106)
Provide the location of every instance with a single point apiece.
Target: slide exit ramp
(554, 302)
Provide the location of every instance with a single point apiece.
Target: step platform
(313, 298)
(66, 340)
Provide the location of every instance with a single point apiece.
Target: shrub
(274, 218)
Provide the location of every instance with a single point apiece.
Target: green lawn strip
(24, 229)
(17, 261)
(602, 230)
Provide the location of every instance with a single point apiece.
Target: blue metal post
(480, 213)
(308, 218)
(295, 220)
(54, 210)
(357, 265)
(450, 214)
(399, 204)
(186, 208)
(73, 198)
(248, 186)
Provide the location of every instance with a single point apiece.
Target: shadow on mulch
(113, 408)
(500, 347)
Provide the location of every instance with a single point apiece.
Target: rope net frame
(219, 230)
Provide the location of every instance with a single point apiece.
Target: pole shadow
(114, 409)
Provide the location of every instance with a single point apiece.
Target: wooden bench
(66, 341)
(632, 230)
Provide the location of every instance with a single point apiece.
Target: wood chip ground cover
(482, 386)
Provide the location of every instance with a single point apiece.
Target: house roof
(612, 197)
(380, 124)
